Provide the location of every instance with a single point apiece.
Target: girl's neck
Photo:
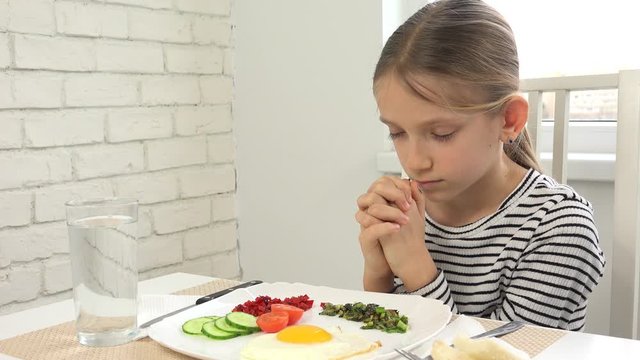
(481, 199)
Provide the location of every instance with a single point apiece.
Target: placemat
(530, 339)
(59, 342)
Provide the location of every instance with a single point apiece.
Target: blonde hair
(466, 42)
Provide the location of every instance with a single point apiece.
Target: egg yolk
(303, 334)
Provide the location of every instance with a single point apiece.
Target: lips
(428, 183)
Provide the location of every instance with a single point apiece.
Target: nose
(418, 157)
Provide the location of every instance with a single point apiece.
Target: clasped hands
(391, 218)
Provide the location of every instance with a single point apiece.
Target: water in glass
(105, 277)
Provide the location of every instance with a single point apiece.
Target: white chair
(624, 262)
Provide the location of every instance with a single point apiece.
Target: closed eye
(395, 135)
(444, 137)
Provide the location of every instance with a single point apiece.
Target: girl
(477, 226)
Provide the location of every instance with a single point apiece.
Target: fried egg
(307, 342)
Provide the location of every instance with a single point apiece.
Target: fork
(497, 332)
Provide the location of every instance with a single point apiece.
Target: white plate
(426, 318)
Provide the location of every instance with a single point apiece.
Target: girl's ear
(515, 112)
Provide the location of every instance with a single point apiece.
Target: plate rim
(444, 308)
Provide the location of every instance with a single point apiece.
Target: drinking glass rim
(96, 202)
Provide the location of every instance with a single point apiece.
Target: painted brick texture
(126, 98)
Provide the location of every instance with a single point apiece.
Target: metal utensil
(200, 301)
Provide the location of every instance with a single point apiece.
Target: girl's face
(446, 152)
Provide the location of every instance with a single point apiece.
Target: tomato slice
(273, 321)
(295, 313)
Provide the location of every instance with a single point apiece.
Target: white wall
(123, 98)
(305, 122)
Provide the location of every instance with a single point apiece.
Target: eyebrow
(434, 121)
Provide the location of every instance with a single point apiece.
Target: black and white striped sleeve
(437, 289)
(557, 271)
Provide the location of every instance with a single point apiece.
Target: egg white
(341, 346)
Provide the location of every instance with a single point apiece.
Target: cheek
(473, 156)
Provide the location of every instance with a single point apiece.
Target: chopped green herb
(372, 315)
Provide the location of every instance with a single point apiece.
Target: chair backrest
(624, 262)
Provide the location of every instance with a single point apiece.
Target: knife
(201, 300)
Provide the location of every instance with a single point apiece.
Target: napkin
(152, 306)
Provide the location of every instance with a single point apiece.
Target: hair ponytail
(522, 153)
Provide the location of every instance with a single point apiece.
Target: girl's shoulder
(546, 190)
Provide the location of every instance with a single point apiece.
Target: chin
(437, 196)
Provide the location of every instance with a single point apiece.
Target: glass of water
(103, 246)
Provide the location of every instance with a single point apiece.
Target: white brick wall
(139, 124)
(49, 200)
(56, 275)
(42, 128)
(214, 7)
(30, 168)
(44, 52)
(158, 251)
(176, 152)
(154, 4)
(22, 284)
(222, 148)
(194, 59)
(148, 188)
(74, 18)
(5, 58)
(105, 160)
(127, 98)
(203, 120)
(31, 16)
(34, 242)
(127, 56)
(170, 90)
(216, 89)
(100, 90)
(227, 264)
(165, 26)
(4, 14)
(11, 134)
(37, 90)
(223, 207)
(181, 215)
(207, 181)
(15, 208)
(210, 240)
(208, 30)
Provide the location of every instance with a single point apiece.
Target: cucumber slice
(194, 326)
(223, 325)
(210, 330)
(242, 321)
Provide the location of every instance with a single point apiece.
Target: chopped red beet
(262, 304)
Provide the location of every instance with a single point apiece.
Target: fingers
(393, 190)
(368, 199)
(377, 213)
(365, 220)
(416, 194)
(371, 234)
(388, 213)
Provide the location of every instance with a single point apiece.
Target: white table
(571, 346)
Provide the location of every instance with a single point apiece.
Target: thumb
(416, 194)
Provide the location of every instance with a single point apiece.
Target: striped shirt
(536, 259)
